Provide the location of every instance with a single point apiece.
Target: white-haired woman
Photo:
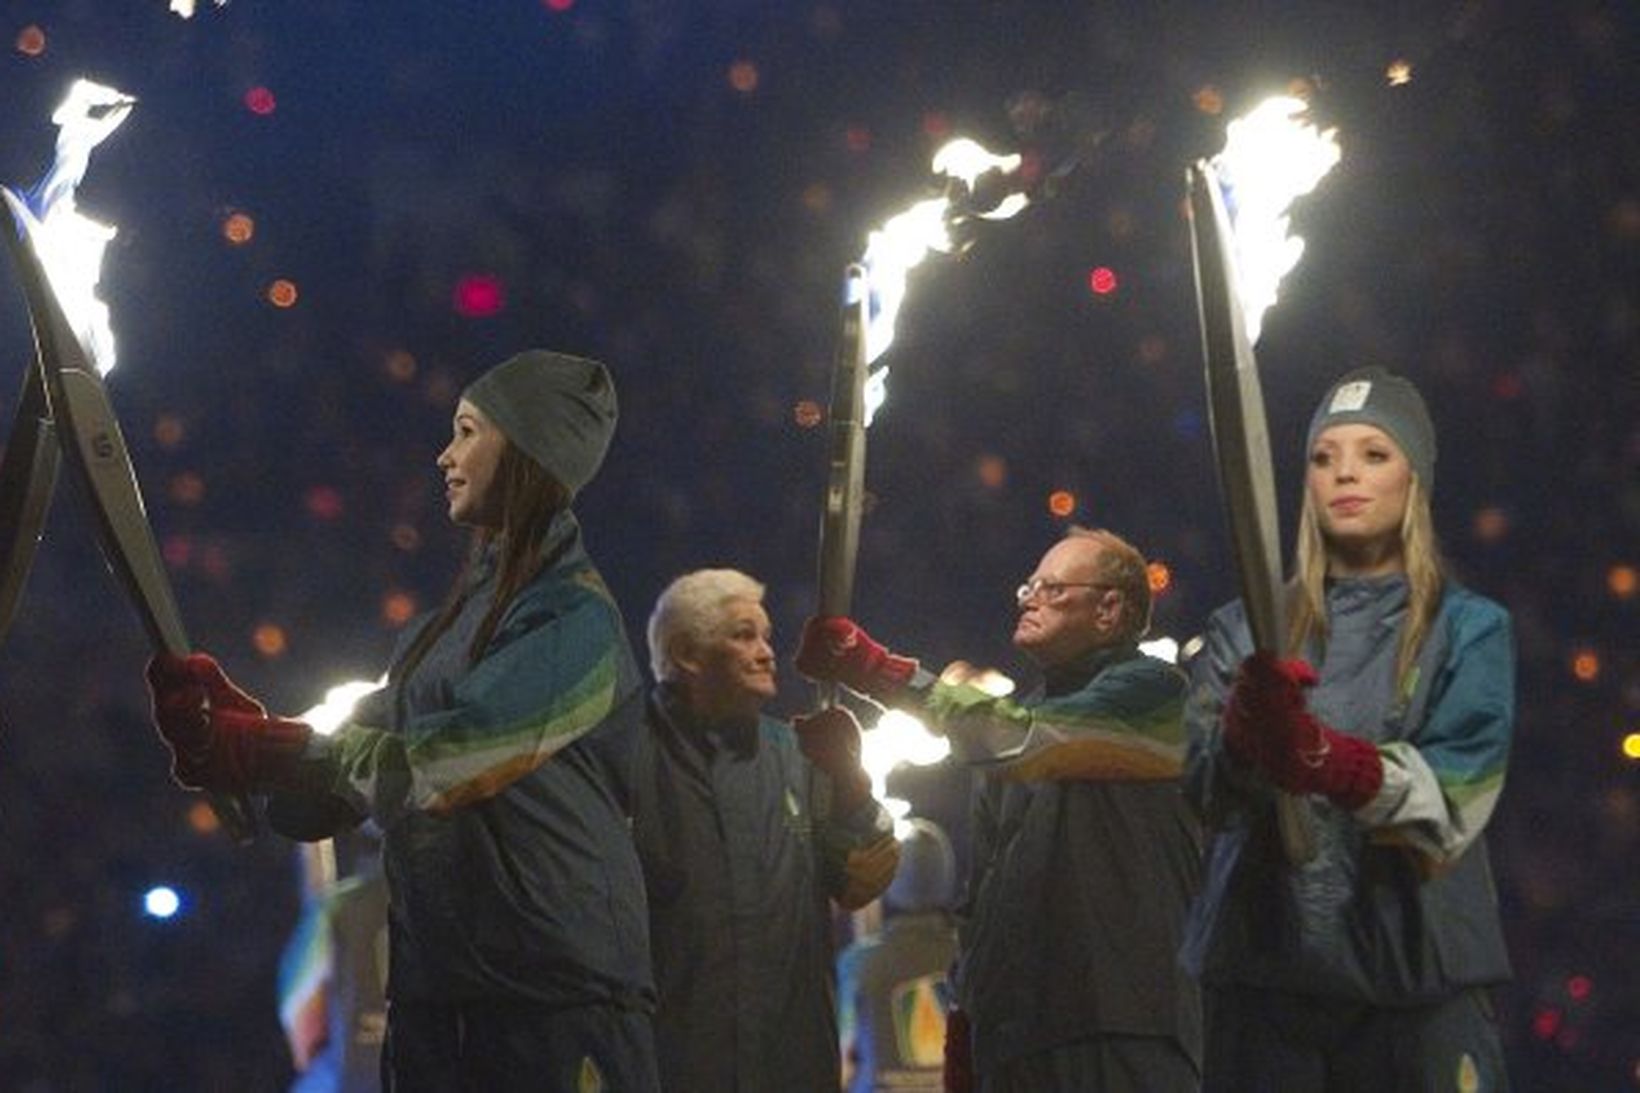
(748, 828)
(495, 763)
(1368, 967)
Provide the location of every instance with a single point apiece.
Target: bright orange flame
(1622, 581)
(269, 640)
(743, 77)
(1586, 665)
(238, 228)
(282, 293)
(187, 488)
(31, 41)
(1159, 576)
(1062, 502)
(398, 608)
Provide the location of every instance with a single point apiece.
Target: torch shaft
(1241, 446)
(845, 474)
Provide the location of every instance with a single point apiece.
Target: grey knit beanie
(557, 409)
(1375, 396)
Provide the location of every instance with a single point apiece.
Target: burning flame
(904, 240)
(71, 246)
(1271, 157)
(898, 739)
(338, 704)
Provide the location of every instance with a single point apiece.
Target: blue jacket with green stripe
(503, 789)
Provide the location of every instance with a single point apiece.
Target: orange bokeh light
(202, 819)
(1586, 665)
(169, 431)
(1491, 524)
(1622, 581)
(238, 228)
(807, 414)
(743, 77)
(187, 488)
(405, 537)
(1062, 502)
(31, 41)
(268, 639)
(1159, 576)
(282, 293)
(400, 366)
(398, 608)
(992, 471)
(1208, 100)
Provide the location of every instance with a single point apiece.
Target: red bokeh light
(1102, 281)
(1545, 1023)
(479, 295)
(324, 503)
(259, 100)
(1579, 987)
(857, 138)
(558, 5)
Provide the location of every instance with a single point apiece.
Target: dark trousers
(511, 1048)
(1101, 1064)
(1266, 1042)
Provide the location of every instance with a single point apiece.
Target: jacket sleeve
(553, 672)
(1441, 785)
(1126, 725)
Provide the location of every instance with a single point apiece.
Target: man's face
(1067, 612)
(733, 672)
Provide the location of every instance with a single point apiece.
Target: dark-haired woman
(494, 762)
(1368, 966)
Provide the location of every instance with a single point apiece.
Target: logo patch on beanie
(1350, 396)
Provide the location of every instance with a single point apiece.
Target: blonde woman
(1366, 968)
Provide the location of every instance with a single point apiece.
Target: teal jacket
(503, 791)
(1399, 906)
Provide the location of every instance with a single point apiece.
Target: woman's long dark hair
(530, 498)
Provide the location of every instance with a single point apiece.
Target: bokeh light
(743, 77)
(1102, 281)
(398, 608)
(992, 471)
(202, 818)
(324, 503)
(400, 366)
(1160, 577)
(169, 431)
(817, 198)
(405, 537)
(936, 126)
(238, 228)
(31, 41)
(1586, 665)
(1490, 524)
(161, 902)
(1622, 581)
(187, 488)
(479, 296)
(178, 551)
(857, 139)
(558, 6)
(260, 100)
(1062, 503)
(807, 414)
(1398, 73)
(268, 639)
(1208, 99)
(282, 293)
(1631, 746)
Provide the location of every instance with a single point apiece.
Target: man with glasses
(1086, 856)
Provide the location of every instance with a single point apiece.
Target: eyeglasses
(1047, 591)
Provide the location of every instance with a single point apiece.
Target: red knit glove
(1268, 724)
(958, 1075)
(837, 649)
(221, 738)
(830, 740)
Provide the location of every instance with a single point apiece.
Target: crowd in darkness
(676, 189)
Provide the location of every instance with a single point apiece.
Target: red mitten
(226, 743)
(830, 740)
(837, 649)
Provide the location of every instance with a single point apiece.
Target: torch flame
(71, 246)
(904, 240)
(1271, 157)
(898, 739)
(338, 704)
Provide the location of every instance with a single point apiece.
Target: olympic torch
(1270, 159)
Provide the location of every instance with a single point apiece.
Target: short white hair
(691, 610)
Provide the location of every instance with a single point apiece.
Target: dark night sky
(1482, 235)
